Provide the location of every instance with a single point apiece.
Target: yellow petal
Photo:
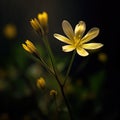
(68, 48)
(43, 18)
(92, 46)
(82, 52)
(63, 38)
(80, 29)
(92, 33)
(30, 45)
(67, 28)
(26, 48)
(35, 24)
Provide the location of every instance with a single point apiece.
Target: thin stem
(56, 105)
(57, 76)
(67, 103)
(44, 64)
(69, 68)
(47, 45)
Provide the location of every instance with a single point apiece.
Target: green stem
(67, 103)
(43, 63)
(69, 68)
(56, 105)
(47, 45)
(57, 76)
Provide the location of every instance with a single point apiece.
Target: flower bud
(41, 83)
(53, 92)
(35, 24)
(43, 19)
(29, 47)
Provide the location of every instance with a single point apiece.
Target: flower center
(77, 42)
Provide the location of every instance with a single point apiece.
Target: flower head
(40, 24)
(35, 24)
(29, 47)
(41, 83)
(43, 19)
(53, 92)
(76, 40)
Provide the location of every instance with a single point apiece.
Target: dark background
(100, 13)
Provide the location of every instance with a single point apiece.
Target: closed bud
(43, 20)
(41, 83)
(29, 47)
(35, 24)
(53, 92)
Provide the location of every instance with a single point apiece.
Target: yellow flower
(29, 47)
(53, 92)
(76, 40)
(43, 19)
(35, 24)
(40, 24)
(41, 83)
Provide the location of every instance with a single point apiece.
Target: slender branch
(67, 103)
(56, 105)
(44, 64)
(69, 68)
(57, 76)
(47, 45)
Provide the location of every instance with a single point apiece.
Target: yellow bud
(53, 92)
(29, 47)
(43, 19)
(35, 24)
(26, 48)
(41, 83)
